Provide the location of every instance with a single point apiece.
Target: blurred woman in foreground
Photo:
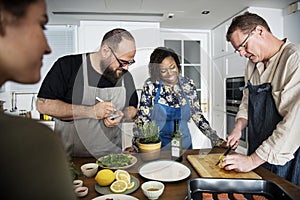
(34, 164)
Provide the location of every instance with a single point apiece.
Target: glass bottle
(176, 143)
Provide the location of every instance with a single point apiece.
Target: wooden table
(178, 190)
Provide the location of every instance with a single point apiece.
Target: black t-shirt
(59, 82)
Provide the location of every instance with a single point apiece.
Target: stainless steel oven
(233, 100)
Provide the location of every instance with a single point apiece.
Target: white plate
(116, 196)
(164, 170)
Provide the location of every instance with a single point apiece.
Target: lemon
(105, 177)
(221, 158)
(123, 175)
(118, 186)
(130, 186)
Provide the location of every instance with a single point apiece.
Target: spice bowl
(153, 189)
(77, 183)
(81, 191)
(89, 169)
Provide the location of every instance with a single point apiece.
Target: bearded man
(89, 94)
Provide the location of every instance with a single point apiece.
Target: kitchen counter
(178, 190)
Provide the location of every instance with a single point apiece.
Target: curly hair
(156, 58)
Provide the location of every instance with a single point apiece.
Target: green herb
(148, 133)
(115, 160)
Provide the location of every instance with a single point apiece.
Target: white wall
(291, 25)
(146, 34)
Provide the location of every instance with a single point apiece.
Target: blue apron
(164, 117)
(263, 118)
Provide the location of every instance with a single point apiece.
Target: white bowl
(81, 191)
(89, 169)
(77, 183)
(153, 189)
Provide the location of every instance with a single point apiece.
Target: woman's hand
(130, 150)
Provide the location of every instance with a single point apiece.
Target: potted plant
(148, 141)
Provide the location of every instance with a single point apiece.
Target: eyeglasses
(244, 43)
(122, 62)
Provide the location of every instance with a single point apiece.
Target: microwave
(233, 93)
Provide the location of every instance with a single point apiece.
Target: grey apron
(90, 137)
(263, 118)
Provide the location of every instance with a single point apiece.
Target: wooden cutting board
(205, 165)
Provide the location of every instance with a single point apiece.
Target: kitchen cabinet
(218, 122)
(220, 46)
(218, 84)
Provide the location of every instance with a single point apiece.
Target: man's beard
(111, 74)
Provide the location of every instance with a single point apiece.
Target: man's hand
(241, 163)
(108, 122)
(103, 109)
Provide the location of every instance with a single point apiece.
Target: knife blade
(224, 154)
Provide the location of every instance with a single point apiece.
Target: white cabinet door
(218, 122)
(218, 40)
(220, 45)
(235, 65)
(218, 84)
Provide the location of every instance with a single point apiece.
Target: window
(62, 40)
(190, 59)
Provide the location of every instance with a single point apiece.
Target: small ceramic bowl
(77, 183)
(89, 169)
(153, 189)
(81, 191)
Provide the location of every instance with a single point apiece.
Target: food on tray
(220, 161)
(237, 196)
(207, 196)
(118, 181)
(258, 197)
(105, 177)
(116, 160)
(223, 196)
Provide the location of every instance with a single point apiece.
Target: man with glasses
(271, 105)
(89, 94)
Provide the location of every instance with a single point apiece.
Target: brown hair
(115, 36)
(17, 8)
(246, 23)
(157, 56)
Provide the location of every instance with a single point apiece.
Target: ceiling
(181, 14)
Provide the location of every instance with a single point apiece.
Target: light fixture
(205, 12)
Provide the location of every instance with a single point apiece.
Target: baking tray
(246, 187)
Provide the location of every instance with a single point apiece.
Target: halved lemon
(123, 175)
(118, 186)
(130, 186)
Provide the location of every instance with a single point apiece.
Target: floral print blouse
(173, 96)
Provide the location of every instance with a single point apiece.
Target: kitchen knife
(225, 154)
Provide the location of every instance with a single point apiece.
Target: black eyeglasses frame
(120, 61)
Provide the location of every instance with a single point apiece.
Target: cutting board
(205, 165)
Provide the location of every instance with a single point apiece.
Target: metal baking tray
(246, 187)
